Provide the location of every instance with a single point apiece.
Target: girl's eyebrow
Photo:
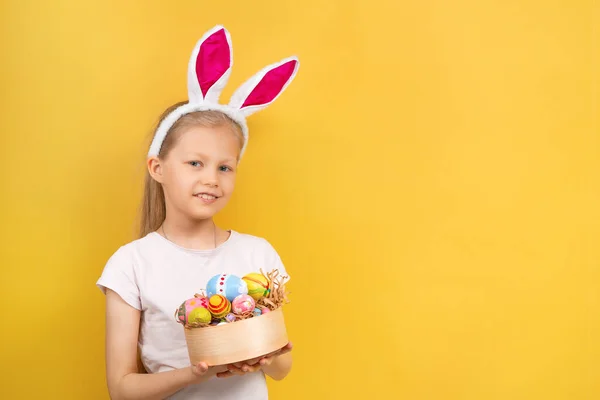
(201, 155)
(195, 154)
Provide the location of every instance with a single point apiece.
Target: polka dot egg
(184, 312)
(226, 285)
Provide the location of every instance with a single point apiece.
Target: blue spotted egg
(226, 285)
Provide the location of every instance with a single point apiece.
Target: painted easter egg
(264, 309)
(219, 306)
(199, 315)
(257, 312)
(188, 306)
(242, 304)
(257, 285)
(227, 285)
(230, 317)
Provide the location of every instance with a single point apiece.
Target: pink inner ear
(213, 60)
(270, 85)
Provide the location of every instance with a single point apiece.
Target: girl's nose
(210, 178)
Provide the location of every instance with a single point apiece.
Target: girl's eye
(195, 163)
(225, 168)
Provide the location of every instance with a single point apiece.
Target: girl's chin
(205, 211)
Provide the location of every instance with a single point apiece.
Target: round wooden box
(237, 341)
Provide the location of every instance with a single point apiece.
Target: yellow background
(431, 179)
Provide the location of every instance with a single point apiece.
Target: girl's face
(198, 174)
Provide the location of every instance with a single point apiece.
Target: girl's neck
(197, 235)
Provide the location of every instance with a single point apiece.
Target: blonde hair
(152, 207)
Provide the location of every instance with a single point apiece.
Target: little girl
(191, 165)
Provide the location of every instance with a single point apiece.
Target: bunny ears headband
(208, 71)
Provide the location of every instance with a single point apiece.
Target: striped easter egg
(258, 285)
(228, 285)
(219, 306)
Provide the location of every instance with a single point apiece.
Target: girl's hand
(254, 364)
(202, 371)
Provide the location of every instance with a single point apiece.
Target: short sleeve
(273, 261)
(119, 276)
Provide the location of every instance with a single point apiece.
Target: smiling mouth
(206, 196)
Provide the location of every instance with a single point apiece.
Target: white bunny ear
(210, 66)
(264, 87)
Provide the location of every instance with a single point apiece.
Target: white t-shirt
(155, 275)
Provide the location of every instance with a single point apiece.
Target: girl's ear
(155, 169)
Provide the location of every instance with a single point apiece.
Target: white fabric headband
(208, 71)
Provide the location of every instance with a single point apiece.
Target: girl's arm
(124, 381)
(279, 366)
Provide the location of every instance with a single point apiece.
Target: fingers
(225, 374)
(254, 364)
(266, 361)
(233, 369)
(200, 369)
(250, 368)
(253, 361)
(236, 370)
(286, 349)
